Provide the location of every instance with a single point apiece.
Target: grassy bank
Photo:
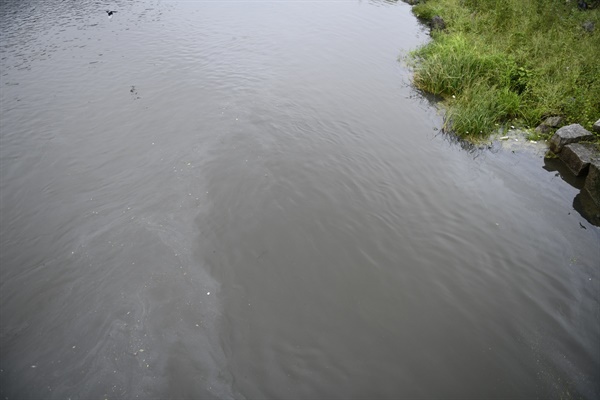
(511, 62)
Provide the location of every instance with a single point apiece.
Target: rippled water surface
(247, 199)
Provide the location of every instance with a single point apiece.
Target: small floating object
(110, 13)
(504, 138)
(208, 293)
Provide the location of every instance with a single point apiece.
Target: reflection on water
(583, 202)
(248, 200)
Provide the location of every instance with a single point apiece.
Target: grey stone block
(578, 156)
(569, 134)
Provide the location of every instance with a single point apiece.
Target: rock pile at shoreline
(572, 145)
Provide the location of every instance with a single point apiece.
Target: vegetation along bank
(511, 62)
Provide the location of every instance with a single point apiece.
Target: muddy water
(248, 200)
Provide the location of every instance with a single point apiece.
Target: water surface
(248, 200)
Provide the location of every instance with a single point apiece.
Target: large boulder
(592, 182)
(569, 134)
(578, 156)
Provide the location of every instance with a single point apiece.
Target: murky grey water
(248, 200)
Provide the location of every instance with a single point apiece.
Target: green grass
(511, 61)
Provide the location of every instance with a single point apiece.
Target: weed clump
(513, 61)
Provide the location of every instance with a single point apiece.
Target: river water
(247, 199)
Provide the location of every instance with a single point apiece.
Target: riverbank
(511, 63)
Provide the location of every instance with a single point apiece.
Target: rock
(592, 182)
(549, 124)
(569, 134)
(553, 122)
(412, 2)
(577, 156)
(543, 129)
(596, 126)
(588, 26)
(438, 23)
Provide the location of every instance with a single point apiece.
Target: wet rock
(578, 156)
(592, 182)
(588, 26)
(569, 134)
(596, 126)
(438, 23)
